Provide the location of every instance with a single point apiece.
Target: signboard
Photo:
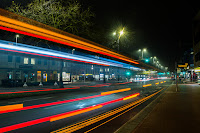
(186, 64)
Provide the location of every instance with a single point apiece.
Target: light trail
(39, 90)
(19, 107)
(42, 33)
(58, 116)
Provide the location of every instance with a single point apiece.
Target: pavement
(172, 112)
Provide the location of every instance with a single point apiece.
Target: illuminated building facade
(25, 63)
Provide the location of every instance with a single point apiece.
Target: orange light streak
(8, 22)
(75, 113)
(132, 96)
(147, 85)
(11, 107)
(115, 91)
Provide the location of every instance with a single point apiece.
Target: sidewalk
(174, 112)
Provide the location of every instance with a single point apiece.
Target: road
(73, 106)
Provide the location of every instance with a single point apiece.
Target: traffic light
(128, 73)
(146, 60)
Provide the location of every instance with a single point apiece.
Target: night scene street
(99, 66)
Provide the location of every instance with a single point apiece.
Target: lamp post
(73, 51)
(143, 50)
(120, 34)
(153, 59)
(16, 38)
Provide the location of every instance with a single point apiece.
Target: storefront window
(38, 76)
(44, 76)
(66, 76)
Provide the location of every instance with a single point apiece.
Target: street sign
(186, 64)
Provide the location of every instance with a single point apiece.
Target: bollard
(55, 84)
(40, 84)
(25, 85)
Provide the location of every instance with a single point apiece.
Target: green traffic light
(146, 60)
(128, 73)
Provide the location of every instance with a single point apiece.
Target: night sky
(164, 27)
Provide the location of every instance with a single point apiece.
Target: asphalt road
(13, 118)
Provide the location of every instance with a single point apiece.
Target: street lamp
(153, 58)
(73, 51)
(120, 34)
(16, 38)
(143, 50)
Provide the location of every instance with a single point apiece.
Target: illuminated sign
(186, 64)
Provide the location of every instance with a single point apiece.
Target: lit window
(25, 60)
(33, 61)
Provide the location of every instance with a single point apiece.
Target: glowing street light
(73, 51)
(120, 34)
(153, 58)
(16, 38)
(143, 50)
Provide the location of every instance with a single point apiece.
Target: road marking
(11, 107)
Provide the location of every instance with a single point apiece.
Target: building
(196, 42)
(24, 63)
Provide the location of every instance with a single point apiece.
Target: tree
(65, 15)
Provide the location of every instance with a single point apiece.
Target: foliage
(65, 15)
